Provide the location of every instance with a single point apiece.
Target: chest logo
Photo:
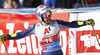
(46, 31)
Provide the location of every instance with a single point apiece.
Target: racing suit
(48, 36)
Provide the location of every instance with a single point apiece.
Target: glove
(90, 22)
(2, 39)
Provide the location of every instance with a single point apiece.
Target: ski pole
(5, 46)
(6, 49)
(95, 35)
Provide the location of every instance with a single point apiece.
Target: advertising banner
(86, 40)
(11, 23)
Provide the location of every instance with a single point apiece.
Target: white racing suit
(48, 36)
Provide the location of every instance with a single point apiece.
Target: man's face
(47, 20)
(47, 17)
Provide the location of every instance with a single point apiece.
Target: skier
(47, 31)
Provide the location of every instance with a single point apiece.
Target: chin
(48, 22)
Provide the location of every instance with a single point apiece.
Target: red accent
(41, 7)
(92, 1)
(44, 43)
(46, 14)
(53, 38)
(72, 33)
(61, 42)
(80, 44)
(99, 44)
(46, 31)
(44, 48)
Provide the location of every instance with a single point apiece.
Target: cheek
(45, 19)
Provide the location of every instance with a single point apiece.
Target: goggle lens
(46, 14)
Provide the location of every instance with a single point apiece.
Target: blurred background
(68, 4)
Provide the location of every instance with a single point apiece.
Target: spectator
(51, 3)
(1, 3)
(21, 2)
(31, 3)
(27, 3)
(12, 4)
(66, 3)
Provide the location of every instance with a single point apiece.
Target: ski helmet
(42, 11)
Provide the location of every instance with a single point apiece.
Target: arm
(73, 24)
(18, 35)
(23, 34)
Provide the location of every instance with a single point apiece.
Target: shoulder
(37, 25)
(33, 26)
(56, 21)
(59, 21)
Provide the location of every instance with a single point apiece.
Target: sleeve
(73, 24)
(22, 34)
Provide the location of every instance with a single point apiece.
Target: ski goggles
(46, 14)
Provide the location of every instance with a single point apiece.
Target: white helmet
(40, 10)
